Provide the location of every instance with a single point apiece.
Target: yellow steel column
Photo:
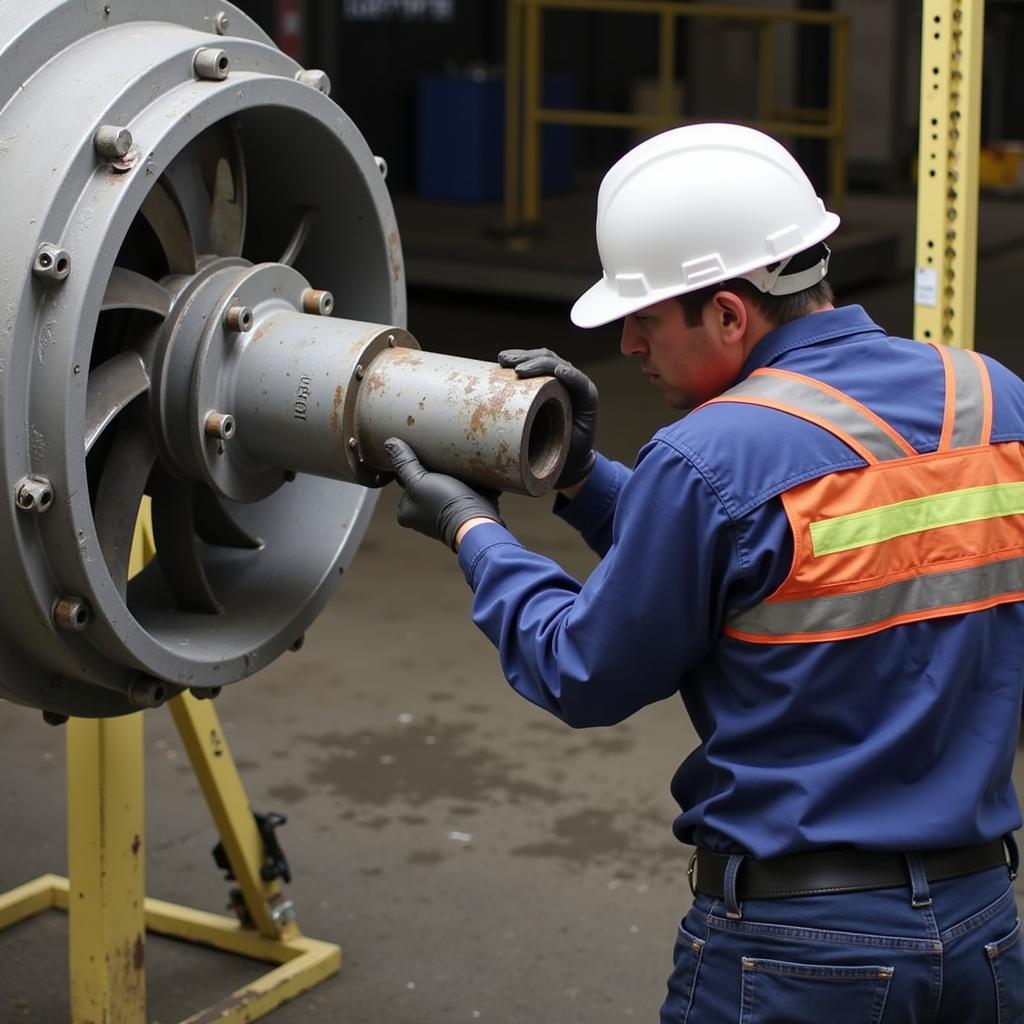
(840, 33)
(947, 171)
(217, 774)
(513, 111)
(765, 71)
(666, 65)
(106, 861)
(532, 150)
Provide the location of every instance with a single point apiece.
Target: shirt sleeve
(594, 653)
(592, 511)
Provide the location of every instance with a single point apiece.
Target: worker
(824, 558)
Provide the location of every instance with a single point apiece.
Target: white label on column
(926, 286)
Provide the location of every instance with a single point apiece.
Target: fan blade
(215, 525)
(184, 180)
(299, 236)
(223, 169)
(177, 545)
(125, 472)
(128, 290)
(172, 228)
(112, 385)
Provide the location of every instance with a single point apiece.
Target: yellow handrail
(525, 114)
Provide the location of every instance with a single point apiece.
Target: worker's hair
(776, 309)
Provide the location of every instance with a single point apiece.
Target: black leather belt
(807, 874)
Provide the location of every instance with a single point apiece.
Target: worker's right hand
(542, 362)
(435, 504)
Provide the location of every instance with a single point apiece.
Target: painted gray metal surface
(219, 170)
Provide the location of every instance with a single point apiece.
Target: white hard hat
(697, 205)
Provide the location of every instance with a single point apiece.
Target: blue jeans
(854, 958)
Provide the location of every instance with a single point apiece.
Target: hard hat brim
(601, 303)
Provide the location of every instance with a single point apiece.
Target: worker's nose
(632, 342)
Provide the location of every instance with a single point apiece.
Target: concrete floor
(476, 860)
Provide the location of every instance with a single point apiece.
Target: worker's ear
(726, 317)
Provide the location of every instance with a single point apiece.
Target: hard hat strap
(775, 281)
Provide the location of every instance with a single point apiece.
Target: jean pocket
(686, 960)
(1007, 959)
(774, 990)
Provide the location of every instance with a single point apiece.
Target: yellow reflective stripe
(872, 526)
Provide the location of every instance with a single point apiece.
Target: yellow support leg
(217, 774)
(106, 870)
(947, 175)
(104, 894)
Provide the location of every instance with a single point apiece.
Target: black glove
(435, 504)
(542, 362)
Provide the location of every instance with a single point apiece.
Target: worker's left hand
(435, 504)
(542, 362)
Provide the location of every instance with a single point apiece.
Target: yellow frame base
(303, 963)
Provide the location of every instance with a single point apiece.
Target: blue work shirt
(901, 740)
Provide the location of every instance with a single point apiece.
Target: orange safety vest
(907, 537)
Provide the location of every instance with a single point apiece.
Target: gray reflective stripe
(969, 410)
(807, 398)
(855, 611)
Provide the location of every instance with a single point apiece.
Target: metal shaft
(321, 396)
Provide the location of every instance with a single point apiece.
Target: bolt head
(317, 302)
(211, 64)
(316, 78)
(72, 613)
(219, 425)
(52, 264)
(222, 23)
(112, 142)
(33, 494)
(238, 318)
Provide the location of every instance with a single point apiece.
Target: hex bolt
(391, 341)
(205, 692)
(72, 613)
(318, 302)
(360, 372)
(298, 644)
(238, 318)
(147, 693)
(382, 166)
(316, 78)
(211, 64)
(52, 263)
(289, 475)
(353, 443)
(54, 718)
(222, 23)
(112, 142)
(33, 494)
(219, 424)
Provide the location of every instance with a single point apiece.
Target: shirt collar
(808, 330)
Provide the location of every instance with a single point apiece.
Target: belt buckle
(690, 871)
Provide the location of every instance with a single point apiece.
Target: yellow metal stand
(104, 894)
(947, 176)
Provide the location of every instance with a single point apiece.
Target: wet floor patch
(417, 763)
